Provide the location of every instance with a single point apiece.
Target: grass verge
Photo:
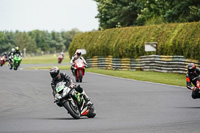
(157, 77)
(45, 59)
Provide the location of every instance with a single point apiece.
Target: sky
(51, 15)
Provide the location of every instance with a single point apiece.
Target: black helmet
(191, 68)
(54, 72)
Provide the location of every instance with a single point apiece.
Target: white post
(24, 52)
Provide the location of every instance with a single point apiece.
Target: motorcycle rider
(76, 56)
(17, 51)
(191, 77)
(57, 76)
(5, 54)
(61, 53)
(10, 55)
(11, 52)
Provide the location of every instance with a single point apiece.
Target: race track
(122, 105)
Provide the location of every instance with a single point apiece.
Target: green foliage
(23, 40)
(123, 13)
(117, 13)
(37, 41)
(173, 39)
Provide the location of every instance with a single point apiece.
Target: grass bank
(45, 59)
(157, 77)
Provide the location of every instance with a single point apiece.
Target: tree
(23, 40)
(68, 36)
(57, 41)
(123, 13)
(42, 39)
(113, 13)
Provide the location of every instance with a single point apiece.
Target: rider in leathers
(17, 51)
(11, 54)
(58, 77)
(192, 77)
(76, 56)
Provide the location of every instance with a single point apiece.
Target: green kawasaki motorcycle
(16, 61)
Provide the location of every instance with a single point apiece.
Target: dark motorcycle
(73, 102)
(10, 62)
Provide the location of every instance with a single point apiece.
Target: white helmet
(12, 50)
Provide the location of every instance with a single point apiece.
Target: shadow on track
(188, 107)
(61, 118)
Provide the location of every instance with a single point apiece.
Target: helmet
(78, 53)
(191, 68)
(12, 50)
(17, 48)
(55, 72)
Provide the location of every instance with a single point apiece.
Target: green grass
(45, 59)
(157, 77)
(63, 67)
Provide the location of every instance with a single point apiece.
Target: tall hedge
(173, 39)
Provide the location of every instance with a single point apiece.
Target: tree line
(37, 41)
(124, 13)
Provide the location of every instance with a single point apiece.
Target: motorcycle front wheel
(73, 110)
(80, 76)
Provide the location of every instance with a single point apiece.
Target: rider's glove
(72, 85)
(193, 88)
(79, 89)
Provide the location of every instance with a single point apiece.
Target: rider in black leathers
(11, 54)
(191, 78)
(58, 77)
(17, 51)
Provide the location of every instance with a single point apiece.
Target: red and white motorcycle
(3, 60)
(79, 70)
(60, 58)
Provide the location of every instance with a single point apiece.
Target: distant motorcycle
(73, 102)
(3, 60)
(10, 62)
(79, 70)
(16, 61)
(60, 58)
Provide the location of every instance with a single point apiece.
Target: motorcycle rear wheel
(92, 112)
(73, 111)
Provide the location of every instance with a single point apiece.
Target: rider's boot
(87, 99)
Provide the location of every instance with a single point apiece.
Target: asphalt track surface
(122, 105)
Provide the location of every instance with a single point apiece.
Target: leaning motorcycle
(3, 60)
(16, 61)
(79, 70)
(60, 58)
(73, 102)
